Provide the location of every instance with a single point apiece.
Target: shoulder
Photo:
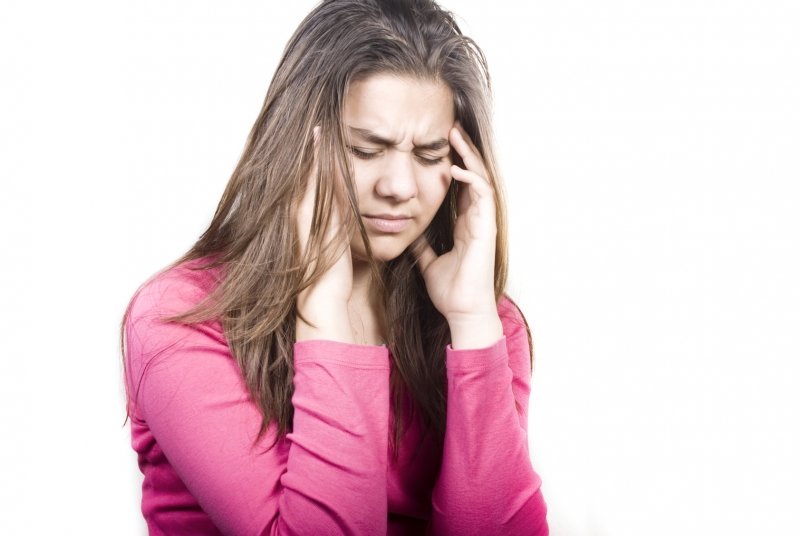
(163, 356)
(171, 291)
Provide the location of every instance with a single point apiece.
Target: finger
(466, 137)
(478, 184)
(423, 252)
(474, 191)
(465, 148)
(462, 199)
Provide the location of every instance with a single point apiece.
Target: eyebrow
(371, 137)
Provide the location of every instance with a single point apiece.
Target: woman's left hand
(461, 282)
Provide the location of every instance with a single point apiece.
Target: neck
(366, 317)
(363, 285)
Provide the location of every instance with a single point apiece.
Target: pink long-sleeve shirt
(194, 427)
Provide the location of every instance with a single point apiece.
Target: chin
(384, 250)
(387, 256)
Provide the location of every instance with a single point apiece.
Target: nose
(397, 178)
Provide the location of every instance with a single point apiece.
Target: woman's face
(398, 130)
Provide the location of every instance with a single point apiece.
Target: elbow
(528, 516)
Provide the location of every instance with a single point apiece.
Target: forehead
(406, 109)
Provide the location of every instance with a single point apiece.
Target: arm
(330, 475)
(487, 484)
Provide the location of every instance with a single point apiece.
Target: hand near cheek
(461, 282)
(323, 305)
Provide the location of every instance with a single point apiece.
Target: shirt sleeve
(191, 395)
(487, 484)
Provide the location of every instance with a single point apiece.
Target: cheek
(435, 187)
(361, 179)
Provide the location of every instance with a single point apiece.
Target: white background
(651, 154)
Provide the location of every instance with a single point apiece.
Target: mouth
(387, 223)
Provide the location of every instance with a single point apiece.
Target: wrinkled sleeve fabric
(191, 394)
(487, 484)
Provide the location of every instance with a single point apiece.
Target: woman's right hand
(325, 303)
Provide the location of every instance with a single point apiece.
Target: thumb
(423, 252)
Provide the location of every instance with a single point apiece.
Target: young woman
(335, 354)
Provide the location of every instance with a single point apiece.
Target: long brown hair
(252, 235)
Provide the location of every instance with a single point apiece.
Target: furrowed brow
(371, 137)
(434, 145)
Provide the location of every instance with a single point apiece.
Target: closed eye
(362, 154)
(429, 161)
(366, 155)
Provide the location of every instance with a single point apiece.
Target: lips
(387, 223)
